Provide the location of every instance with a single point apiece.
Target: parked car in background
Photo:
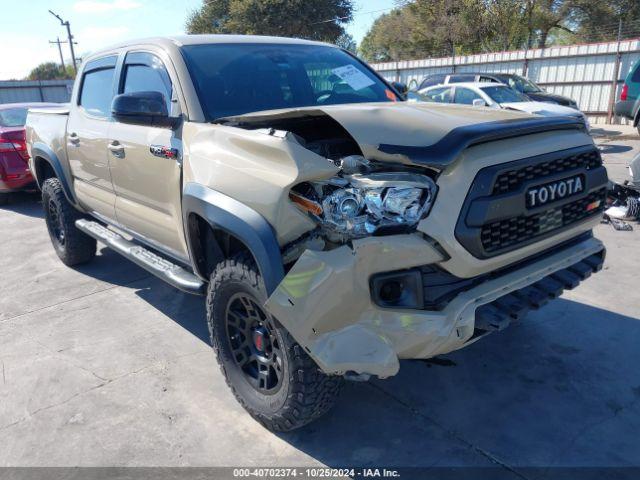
(495, 95)
(14, 159)
(516, 82)
(628, 106)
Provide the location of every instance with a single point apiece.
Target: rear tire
(4, 198)
(72, 246)
(271, 376)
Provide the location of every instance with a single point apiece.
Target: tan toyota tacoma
(333, 228)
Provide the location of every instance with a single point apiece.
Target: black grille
(512, 180)
(506, 233)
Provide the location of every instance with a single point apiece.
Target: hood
(429, 134)
(542, 108)
(550, 97)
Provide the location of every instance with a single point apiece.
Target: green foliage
(318, 19)
(51, 71)
(431, 28)
(347, 42)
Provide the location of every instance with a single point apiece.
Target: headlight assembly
(360, 205)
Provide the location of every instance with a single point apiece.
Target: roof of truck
(181, 40)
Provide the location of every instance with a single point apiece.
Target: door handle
(74, 138)
(116, 148)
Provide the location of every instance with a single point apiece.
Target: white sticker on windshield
(354, 77)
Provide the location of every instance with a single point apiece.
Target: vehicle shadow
(561, 388)
(25, 203)
(608, 148)
(186, 310)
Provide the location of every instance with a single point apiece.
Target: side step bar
(498, 314)
(165, 270)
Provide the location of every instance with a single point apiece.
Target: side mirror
(143, 108)
(401, 88)
(478, 102)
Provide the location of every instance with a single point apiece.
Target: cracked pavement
(104, 365)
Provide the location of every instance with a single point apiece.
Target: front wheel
(271, 376)
(72, 245)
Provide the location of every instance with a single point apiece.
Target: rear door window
(97, 87)
(96, 92)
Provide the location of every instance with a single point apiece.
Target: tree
(347, 42)
(51, 71)
(549, 15)
(506, 25)
(422, 28)
(317, 20)
(387, 39)
(600, 21)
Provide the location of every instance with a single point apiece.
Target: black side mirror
(143, 108)
(401, 88)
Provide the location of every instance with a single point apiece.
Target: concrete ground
(104, 365)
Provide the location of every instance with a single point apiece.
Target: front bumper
(325, 303)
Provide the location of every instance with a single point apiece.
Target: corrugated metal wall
(583, 72)
(15, 91)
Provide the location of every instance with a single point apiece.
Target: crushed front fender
(325, 303)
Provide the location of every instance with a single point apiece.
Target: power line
(346, 17)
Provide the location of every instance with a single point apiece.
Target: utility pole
(70, 37)
(616, 73)
(59, 43)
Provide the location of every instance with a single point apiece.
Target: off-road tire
(305, 393)
(74, 247)
(4, 198)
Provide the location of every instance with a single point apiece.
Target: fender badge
(163, 152)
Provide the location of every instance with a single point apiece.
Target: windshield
(234, 79)
(13, 117)
(504, 95)
(521, 84)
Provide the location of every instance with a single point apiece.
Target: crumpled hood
(420, 133)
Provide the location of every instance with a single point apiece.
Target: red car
(14, 159)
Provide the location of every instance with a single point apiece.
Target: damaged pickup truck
(334, 228)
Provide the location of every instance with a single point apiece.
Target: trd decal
(163, 152)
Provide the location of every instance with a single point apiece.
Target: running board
(165, 270)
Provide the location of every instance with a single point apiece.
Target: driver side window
(144, 72)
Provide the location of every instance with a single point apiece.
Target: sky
(26, 26)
